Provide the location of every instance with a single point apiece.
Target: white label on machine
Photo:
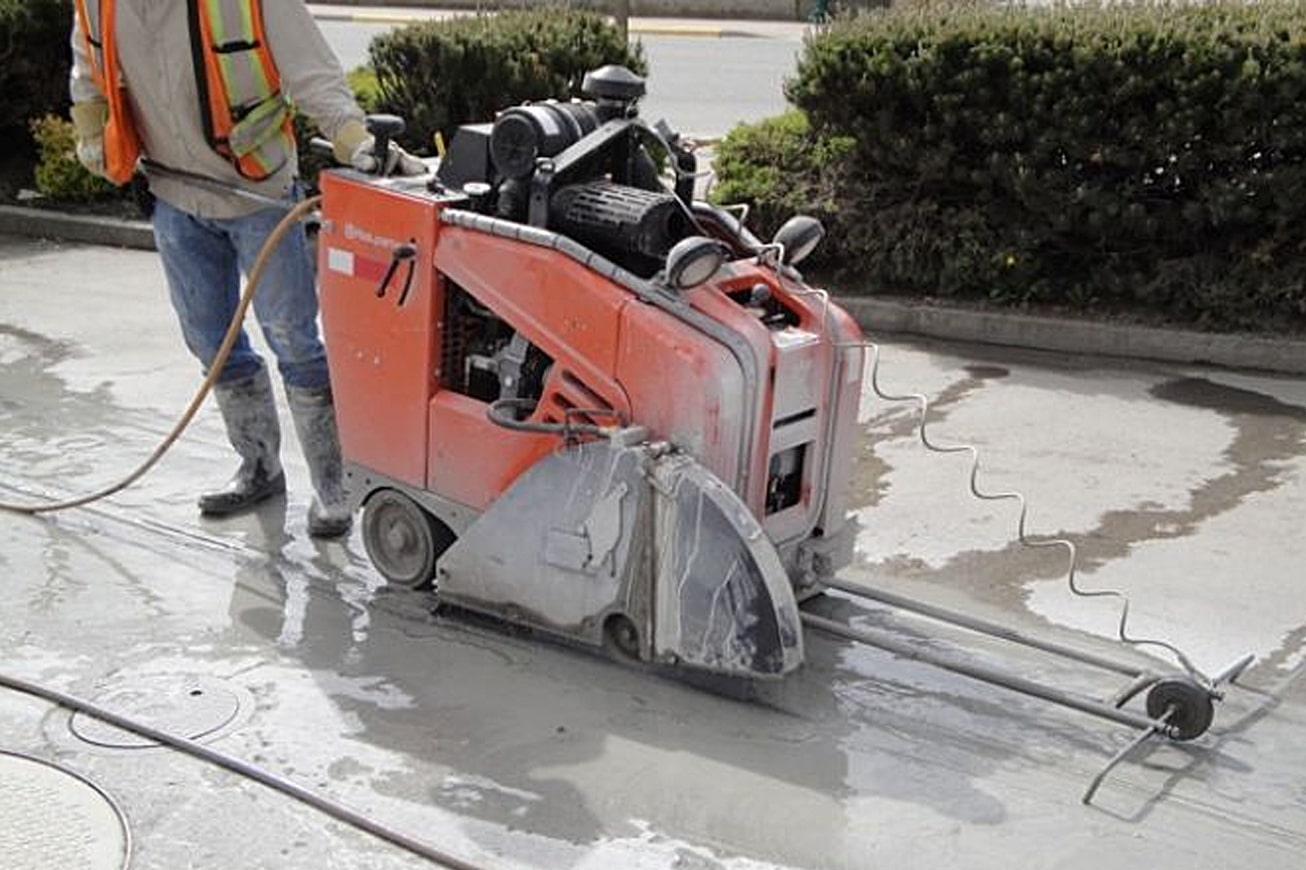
(341, 261)
(790, 337)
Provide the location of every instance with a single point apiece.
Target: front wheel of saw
(402, 539)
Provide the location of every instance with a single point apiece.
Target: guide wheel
(1192, 706)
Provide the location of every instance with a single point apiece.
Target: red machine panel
(559, 306)
(378, 332)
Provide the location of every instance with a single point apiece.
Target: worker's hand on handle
(398, 161)
(88, 130)
(355, 146)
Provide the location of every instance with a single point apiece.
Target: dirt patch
(15, 174)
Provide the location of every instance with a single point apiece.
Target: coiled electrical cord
(292, 217)
(1072, 553)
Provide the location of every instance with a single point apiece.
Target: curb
(1065, 335)
(88, 229)
(876, 315)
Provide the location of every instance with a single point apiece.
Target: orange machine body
(769, 408)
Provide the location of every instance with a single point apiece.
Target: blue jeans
(203, 260)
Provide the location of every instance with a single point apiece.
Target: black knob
(384, 128)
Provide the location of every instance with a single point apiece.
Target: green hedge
(1131, 157)
(34, 62)
(777, 168)
(440, 74)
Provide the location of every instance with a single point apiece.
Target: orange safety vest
(246, 117)
(122, 145)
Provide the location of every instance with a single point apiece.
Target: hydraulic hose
(215, 369)
(242, 768)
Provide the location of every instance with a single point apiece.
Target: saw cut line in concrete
(54, 818)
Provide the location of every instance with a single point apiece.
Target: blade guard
(722, 599)
(640, 534)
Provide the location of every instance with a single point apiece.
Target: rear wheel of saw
(402, 539)
(1192, 709)
(622, 636)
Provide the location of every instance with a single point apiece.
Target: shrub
(1122, 156)
(778, 169)
(439, 74)
(367, 90)
(58, 174)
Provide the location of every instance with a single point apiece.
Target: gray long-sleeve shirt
(158, 69)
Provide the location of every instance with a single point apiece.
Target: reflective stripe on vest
(246, 117)
(122, 144)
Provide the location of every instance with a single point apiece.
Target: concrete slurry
(1182, 485)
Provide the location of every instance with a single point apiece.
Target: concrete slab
(1183, 485)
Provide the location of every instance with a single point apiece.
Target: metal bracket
(1178, 706)
(1186, 714)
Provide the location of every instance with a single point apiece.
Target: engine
(585, 169)
(588, 170)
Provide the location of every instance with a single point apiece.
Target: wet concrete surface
(1183, 487)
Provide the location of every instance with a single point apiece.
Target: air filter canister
(523, 134)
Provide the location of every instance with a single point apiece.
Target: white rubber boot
(314, 414)
(250, 414)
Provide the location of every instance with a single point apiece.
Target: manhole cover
(56, 819)
(191, 707)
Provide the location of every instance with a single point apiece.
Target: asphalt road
(702, 86)
(1182, 486)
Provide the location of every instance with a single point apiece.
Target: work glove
(89, 119)
(355, 146)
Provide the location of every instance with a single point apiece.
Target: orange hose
(224, 350)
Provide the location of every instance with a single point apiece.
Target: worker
(205, 87)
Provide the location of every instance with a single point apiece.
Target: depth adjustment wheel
(402, 539)
(1192, 704)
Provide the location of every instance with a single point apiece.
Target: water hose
(215, 369)
(183, 744)
(242, 768)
